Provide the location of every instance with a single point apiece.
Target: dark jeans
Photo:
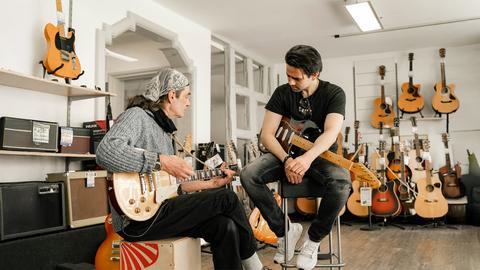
(268, 168)
(214, 215)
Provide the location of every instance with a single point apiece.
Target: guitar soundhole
(418, 159)
(430, 188)
(383, 106)
(437, 185)
(411, 90)
(403, 189)
(382, 188)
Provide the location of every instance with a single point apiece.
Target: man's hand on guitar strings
(176, 166)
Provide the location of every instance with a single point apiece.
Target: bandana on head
(167, 79)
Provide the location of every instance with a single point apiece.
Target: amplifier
(28, 208)
(74, 140)
(86, 196)
(28, 135)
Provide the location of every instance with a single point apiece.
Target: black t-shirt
(328, 98)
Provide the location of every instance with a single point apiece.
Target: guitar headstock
(426, 145)
(396, 122)
(347, 131)
(381, 71)
(187, 144)
(442, 52)
(356, 124)
(381, 147)
(363, 174)
(445, 138)
(410, 57)
(231, 152)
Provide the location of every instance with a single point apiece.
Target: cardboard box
(86, 196)
(168, 254)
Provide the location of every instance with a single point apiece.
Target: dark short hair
(305, 58)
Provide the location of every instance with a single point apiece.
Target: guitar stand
(437, 224)
(370, 226)
(384, 223)
(419, 111)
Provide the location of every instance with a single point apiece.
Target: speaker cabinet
(86, 196)
(28, 208)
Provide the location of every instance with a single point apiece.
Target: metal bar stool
(309, 188)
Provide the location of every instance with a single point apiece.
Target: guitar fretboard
(202, 175)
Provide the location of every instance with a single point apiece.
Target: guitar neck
(327, 155)
(201, 175)
(382, 93)
(442, 68)
(60, 19)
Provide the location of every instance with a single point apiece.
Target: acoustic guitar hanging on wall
(410, 101)
(61, 59)
(444, 99)
(383, 109)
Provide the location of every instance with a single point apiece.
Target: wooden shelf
(27, 82)
(46, 154)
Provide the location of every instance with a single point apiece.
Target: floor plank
(393, 248)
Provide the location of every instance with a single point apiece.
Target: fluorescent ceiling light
(364, 16)
(120, 56)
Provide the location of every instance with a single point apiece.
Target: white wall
(26, 47)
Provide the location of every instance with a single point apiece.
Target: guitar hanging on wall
(61, 59)
(410, 101)
(444, 99)
(450, 175)
(383, 109)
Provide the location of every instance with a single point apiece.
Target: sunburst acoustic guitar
(382, 109)
(444, 99)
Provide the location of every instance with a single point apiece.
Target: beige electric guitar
(293, 135)
(139, 195)
(430, 202)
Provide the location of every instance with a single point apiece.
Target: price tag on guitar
(365, 196)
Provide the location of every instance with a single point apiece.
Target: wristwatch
(158, 165)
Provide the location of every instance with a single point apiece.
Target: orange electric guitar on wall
(444, 99)
(61, 58)
(410, 101)
(383, 110)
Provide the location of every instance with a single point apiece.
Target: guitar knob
(131, 201)
(142, 199)
(147, 209)
(137, 210)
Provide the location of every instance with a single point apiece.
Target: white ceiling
(268, 28)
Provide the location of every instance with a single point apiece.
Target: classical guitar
(296, 136)
(430, 202)
(108, 253)
(410, 101)
(450, 176)
(354, 204)
(385, 202)
(382, 109)
(139, 195)
(416, 162)
(260, 228)
(444, 99)
(395, 166)
(61, 58)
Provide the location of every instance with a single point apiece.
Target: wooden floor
(392, 248)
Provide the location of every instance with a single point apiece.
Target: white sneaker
(307, 259)
(293, 236)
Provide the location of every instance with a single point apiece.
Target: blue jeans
(268, 168)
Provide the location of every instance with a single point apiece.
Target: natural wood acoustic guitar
(61, 58)
(444, 99)
(430, 202)
(410, 101)
(354, 204)
(382, 110)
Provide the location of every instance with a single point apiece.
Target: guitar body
(417, 166)
(430, 202)
(451, 187)
(444, 99)
(395, 167)
(385, 202)
(354, 203)
(410, 101)
(260, 228)
(108, 253)
(306, 206)
(61, 59)
(142, 205)
(383, 112)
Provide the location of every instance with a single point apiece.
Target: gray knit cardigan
(132, 145)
